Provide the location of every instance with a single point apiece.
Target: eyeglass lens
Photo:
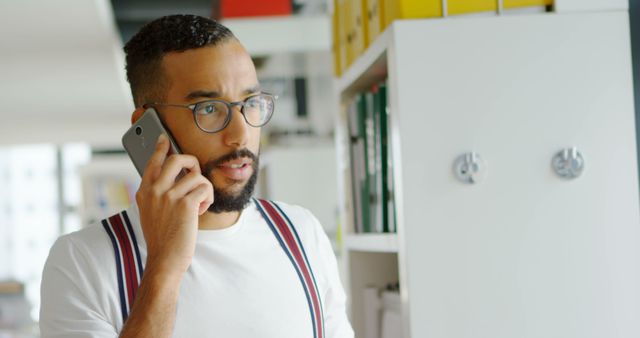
(213, 115)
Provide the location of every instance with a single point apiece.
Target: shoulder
(91, 249)
(79, 284)
(80, 275)
(86, 245)
(77, 274)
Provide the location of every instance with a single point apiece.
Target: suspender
(288, 238)
(129, 266)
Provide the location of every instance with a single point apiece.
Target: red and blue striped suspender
(128, 263)
(287, 236)
(129, 266)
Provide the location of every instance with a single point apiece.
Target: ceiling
(130, 15)
(62, 72)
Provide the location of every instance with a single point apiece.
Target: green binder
(364, 150)
(389, 198)
(382, 127)
(354, 156)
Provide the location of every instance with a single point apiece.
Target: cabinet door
(522, 253)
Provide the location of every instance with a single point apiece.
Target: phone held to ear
(140, 140)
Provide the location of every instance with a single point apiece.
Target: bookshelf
(369, 68)
(512, 255)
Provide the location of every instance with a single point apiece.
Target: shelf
(372, 242)
(368, 68)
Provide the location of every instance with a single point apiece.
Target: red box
(244, 8)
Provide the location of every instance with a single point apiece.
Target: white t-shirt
(240, 283)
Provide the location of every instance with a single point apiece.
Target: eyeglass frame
(229, 105)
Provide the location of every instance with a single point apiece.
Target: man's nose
(237, 132)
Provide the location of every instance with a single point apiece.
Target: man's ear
(137, 114)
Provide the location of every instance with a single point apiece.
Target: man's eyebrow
(202, 93)
(252, 90)
(214, 95)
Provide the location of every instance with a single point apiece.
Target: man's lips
(236, 163)
(239, 169)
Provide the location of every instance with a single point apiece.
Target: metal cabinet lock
(469, 168)
(568, 163)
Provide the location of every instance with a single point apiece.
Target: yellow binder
(343, 32)
(357, 23)
(526, 3)
(413, 9)
(359, 28)
(336, 43)
(375, 21)
(467, 6)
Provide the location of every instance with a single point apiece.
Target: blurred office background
(66, 104)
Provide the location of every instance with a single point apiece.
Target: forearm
(154, 309)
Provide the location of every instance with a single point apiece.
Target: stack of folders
(371, 162)
(382, 313)
(357, 23)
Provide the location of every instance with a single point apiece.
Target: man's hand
(169, 209)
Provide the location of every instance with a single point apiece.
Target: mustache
(236, 154)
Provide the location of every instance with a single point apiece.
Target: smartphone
(140, 140)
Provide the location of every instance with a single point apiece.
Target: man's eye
(254, 103)
(208, 109)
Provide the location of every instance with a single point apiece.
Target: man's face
(224, 72)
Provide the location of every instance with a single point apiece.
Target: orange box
(246, 8)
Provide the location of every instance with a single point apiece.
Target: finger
(208, 201)
(172, 168)
(153, 167)
(204, 206)
(188, 183)
(201, 197)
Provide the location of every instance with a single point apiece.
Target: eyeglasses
(212, 116)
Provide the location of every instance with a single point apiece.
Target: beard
(226, 200)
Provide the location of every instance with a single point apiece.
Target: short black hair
(173, 33)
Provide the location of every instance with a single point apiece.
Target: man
(214, 262)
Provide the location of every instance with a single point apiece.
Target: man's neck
(215, 221)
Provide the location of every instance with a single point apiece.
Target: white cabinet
(523, 253)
